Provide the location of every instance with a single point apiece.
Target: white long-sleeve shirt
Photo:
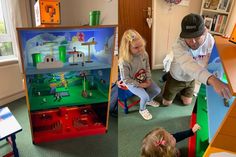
(189, 64)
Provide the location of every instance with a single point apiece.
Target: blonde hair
(157, 143)
(129, 37)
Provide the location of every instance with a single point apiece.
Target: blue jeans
(146, 94)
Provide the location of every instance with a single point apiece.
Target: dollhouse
(66, 96)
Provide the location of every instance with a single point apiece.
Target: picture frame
(223, 5)
(214, 4)
(207, 4)
(208, 22)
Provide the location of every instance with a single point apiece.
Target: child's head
(131, 43)
(159, 143)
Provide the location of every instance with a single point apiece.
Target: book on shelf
(214, 23)
(220, 23)
(223, 24)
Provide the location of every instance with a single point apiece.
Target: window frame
(8, 37)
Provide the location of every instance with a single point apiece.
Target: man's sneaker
(153, 103)
(146, 114)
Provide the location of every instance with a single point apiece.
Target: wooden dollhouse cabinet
(67, 84)
(214, 114)
(223, 135)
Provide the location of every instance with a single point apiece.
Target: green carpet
(132, 127)
(99, 145)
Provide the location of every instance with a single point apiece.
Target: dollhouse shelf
(87, 66)
(221, 118)
(66, 122)
(66, 101)
(227, 54)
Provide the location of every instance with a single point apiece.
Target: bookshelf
(216, 15)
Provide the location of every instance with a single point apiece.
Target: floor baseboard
(13, 97)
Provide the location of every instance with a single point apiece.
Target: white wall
(11, 83)
(232, 20)
(167, 26)
(76, 12)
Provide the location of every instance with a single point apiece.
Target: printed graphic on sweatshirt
(141, 76)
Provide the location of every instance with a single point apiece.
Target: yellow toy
(89, 44)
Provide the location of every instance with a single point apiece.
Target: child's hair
(157, 143)
(128, 38)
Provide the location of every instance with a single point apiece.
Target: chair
(123, 95)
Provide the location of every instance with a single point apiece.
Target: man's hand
(220, 87)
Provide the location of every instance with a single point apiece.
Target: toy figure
(80, 36)
(84, 92)
(53, 88)
(63, 80)
(44, 101)
(89, 44)
(58, 97)
(76, 57)
(226, 102)
(49, 62)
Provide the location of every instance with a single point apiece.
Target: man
(191, 53)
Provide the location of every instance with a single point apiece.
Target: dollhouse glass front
(68, 66)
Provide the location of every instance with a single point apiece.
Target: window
(6, 30)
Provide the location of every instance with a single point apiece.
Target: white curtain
(20, 15)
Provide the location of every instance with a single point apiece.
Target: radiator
(11, 83)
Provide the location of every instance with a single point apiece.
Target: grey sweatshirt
(191, 64)
(137, 71)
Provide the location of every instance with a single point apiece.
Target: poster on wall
(184, 3)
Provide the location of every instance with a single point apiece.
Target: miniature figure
(63, 80)
(226, 102)
(84, 92)
(44, 101)
(89, 44)
(49, 62)
(77, 56)
(58, 97)
(53, 88)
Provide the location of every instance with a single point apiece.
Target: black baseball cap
(192, 26)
